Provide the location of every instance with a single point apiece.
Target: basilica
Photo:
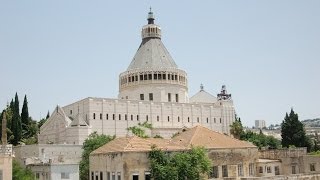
(152, 89)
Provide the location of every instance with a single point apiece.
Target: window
(70, 111)
(131, 117)
(94, 115)
(155, 76)
(312, 167)
(276, 170)
(119, 116)
(113, 116)
(125, 117)
(142, 97)
(147, 175)
(147, 118)
(113, 176)
(269, 169)
(293, 169)
(100, 115)
(178, 119)
(37, 175)
(214, 119)
(135, 177)
(141, 77)
(224, 171)
(145, 77)
(92, 175)
(168, 118)
(150, 76)
(240, 170)
(108, 176)
(169, 97)
(137, 117)
(177, 97)
(157, 118)
(164, 76)
(215, 172)
(197, 119)
(151, 96)
(207, 120)
(260, 169)
(220, 120)
(188, 119)
(107, 116)
(101, 175)
(251, 168)
(119, 175)
(65, 175)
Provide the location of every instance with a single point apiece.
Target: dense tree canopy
(293, 132)
(93, 142)
(236, 128)
(20, 173)
(189, 165)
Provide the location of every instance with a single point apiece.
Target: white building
(259, 124)
(152, 89)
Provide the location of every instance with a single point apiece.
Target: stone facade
(6, 162)
(152, 89)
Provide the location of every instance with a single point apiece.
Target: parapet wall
(282, 153)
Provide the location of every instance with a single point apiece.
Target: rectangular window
(155, 76)
(125, 117)
(269, 169)
(65, 175)
(92, 175)
(37, 175)
(142, 97)
(100, 115)
(164, 76)
(147, 117)
(147, 175)
(169, 97)
(215, 172)
(70, 111)
(119, 175)
(113, 176)
(135, 177)
(276, 170)
(159, 76)
(177, 97)
(137, 117)
(145, 77)
(119, 116)
(220, 120)
(224, 171)
(169, 76)
(107, 116)
(94, 115)
(293, 169)
(113, 116)
(240, 170)
(312, 167)
(251, 168)
(136, 78)
(131, 117)
(101, 175)
(108, 176)
(149, 76)
(260, 169)
(141, 77)
(150, 96)
(157, 118)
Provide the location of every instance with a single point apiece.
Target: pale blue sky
(267, 52)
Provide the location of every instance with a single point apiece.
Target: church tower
(152, 74)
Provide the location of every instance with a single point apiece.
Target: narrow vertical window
(142, 97)
(131, 117)
(125, 117)
(151, 96)
(188, 119)
(157, 118)
(207, 120)
(100, 115)
(169, 97)
(119, 116)
(147, 118)
(178, 119)
(168, 118)
(137, 117)
(177, 97)
(94, 115)
(113, 116)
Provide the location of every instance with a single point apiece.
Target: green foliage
(192, 164)
(19, 173)
(140, 129)
(236, 128)
(48, 115)
(25, 114)
(16, 125)
(315, 153)
(293, 132)
(93, 142)
(260, 140)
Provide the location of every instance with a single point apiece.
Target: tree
(236, 128)
(293, 132)
(189, 165)
(140, 130)
(93, 142)
(16, 126)
(48, 115)
(19, 173)
(260, 140)
(25, 114)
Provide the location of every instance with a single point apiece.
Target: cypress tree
(25, 114)
(292, 131)
(48, 115)
(16, 127)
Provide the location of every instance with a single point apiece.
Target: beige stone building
(127, 157)
(152, 89)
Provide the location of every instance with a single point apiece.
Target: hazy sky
(266, 52)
